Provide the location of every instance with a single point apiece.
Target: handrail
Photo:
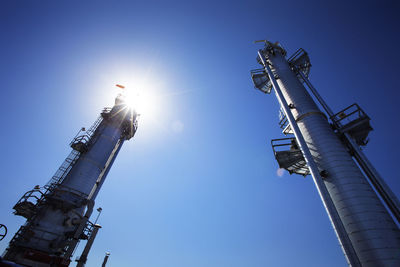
(337, 117)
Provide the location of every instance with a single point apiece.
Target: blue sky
(197, 186)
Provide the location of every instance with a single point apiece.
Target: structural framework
(363, 210)
(58, 214)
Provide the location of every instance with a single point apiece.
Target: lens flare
(141, 101)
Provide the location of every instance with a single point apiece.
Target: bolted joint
(323, 173)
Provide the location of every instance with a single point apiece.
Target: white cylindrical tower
(371, 230)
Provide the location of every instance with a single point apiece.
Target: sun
(141, 99)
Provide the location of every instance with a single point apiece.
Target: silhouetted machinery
(57, 215)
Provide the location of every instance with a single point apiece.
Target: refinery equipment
(364, 212)
(57, 215)
(105, 259)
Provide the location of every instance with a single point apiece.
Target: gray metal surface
(368, 225)
(84, 174)
(373, 175)
(344, 240)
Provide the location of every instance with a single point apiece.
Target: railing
(80, 142)
(354, 122)
(349, 114)
(284, 123)
(35, 238)
(289, 156)
(261, 80)
(35, 194)
(300, 61)
(64, 188)
(64, 169)
(80, 139)
(96, 124)
(26, 205)
(87, 231)
(284, 144)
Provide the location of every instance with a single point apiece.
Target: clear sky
(198, 185)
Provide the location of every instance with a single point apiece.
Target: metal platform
(299, 61)
(354, 121)
(81, 142)
(27, 204)
(261, 80)
(289, 156)
(64, 197)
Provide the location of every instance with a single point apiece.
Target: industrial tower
(58, 214)
(327, 146)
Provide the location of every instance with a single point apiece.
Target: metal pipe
(98, 215)
(83, 258)
(376, 180)
(317, 95)
(340, 231)
(79, 230)
(105, 259)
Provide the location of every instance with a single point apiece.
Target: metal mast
(105, 259)
(366, 230)
(58, 214)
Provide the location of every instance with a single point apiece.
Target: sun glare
(141, 101)
(141, 98)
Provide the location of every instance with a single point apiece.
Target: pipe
(376, 180)
(83, 258)
(317, 95)
(340, 231)
(79, 230)
(105, 259)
